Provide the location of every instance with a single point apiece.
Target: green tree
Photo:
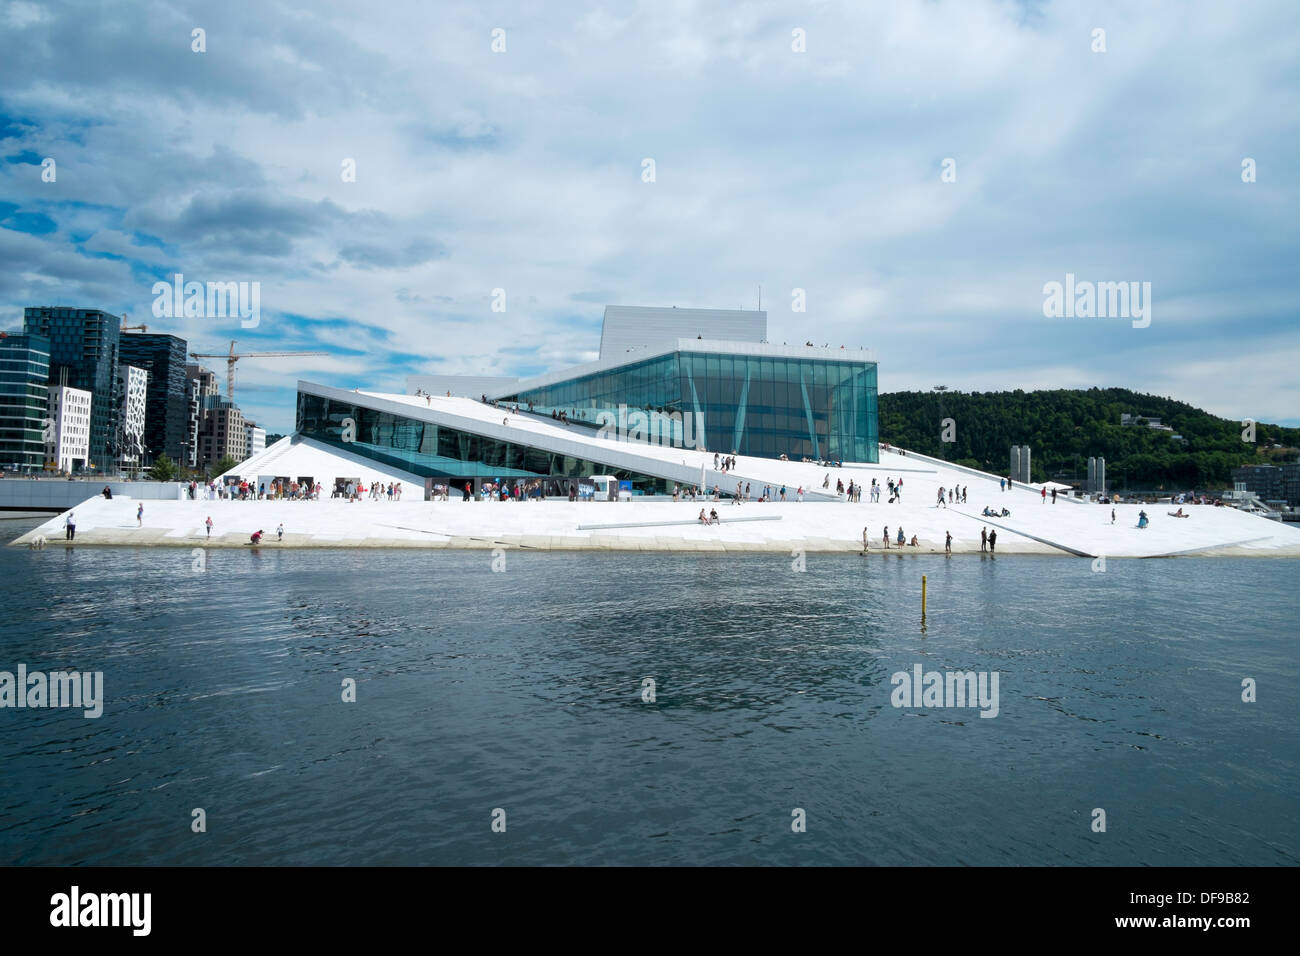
(163, 469)
(224, 465)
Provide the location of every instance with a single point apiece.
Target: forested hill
(1064, 427)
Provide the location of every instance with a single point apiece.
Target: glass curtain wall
(438, 451)
(748, 405)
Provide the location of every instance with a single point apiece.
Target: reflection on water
(523, 690)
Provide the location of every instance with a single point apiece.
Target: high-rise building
(167, 416)
(84, 344)
(222, 433)
(70, 412)
(133, 384)
(220, 424)
(200, 386)
(256, 443)
(24, 400)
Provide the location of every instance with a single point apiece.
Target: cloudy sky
(819, 169)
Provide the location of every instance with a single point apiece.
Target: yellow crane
(234, 357)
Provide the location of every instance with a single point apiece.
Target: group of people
(354, 490)
(711, 517)
(954, 496)
(723, 464)
(244, 490)
(902, 538)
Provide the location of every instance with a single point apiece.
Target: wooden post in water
(923, 602)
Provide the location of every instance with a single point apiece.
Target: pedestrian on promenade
(1053, 496)
(947, 544)
(1002, 484)
(1112, 515)
(70, 525)
(993, 540)
(1044, 497)
(139, 516)
(209, 524)
(984, 539)
(279, 532)
(886, 536)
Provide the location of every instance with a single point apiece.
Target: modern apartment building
(69, 428)
(84, 345)
(133, 385)
(167, 415)
(24, 401)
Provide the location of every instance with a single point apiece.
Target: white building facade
(67, 428)
(256, 440)
(133, 385)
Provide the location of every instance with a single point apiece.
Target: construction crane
(134, 328)
(234, 357)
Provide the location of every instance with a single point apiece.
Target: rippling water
(521, 690)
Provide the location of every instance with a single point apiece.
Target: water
(521, 690)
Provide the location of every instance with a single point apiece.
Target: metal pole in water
(923, 602)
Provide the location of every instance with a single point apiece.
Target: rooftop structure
(627, 328)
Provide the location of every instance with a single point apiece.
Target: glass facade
(84, 343)
(766, 406)
(24, 401)
(167, 411)
(431, 450)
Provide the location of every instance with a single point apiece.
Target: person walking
(1002, 484)
(1053, 496)
(1112, 515)
(886, 537)
(139, 516)
(1044, 496)
(279, 532)
(947, 544)
(993, 540)
(984, 539)
(865, 546)
(209, 525)
(70, 526)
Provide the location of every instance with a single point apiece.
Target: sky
(915, 173)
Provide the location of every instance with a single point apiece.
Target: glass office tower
(766, 401)
(24, 400)
(166, 417)
(84, 344)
